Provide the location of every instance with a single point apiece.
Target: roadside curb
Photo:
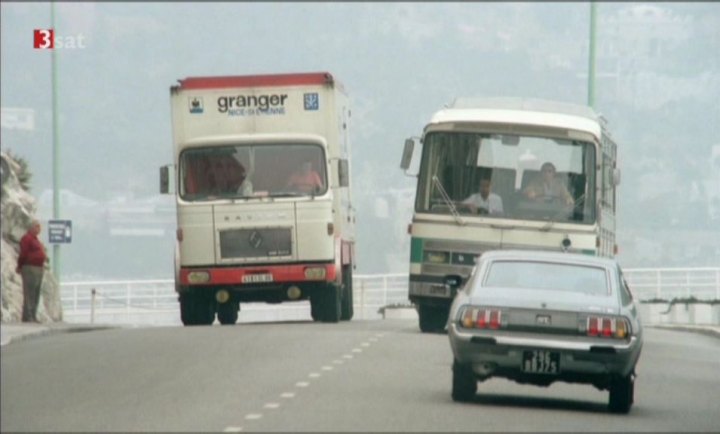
(708, 331)
(16, 333)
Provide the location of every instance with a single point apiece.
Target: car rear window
(546, 275)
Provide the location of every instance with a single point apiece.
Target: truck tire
(432, 319)
(464, 384)
(227, 313)
(347, 311)
(188, 314)
(196, 310)
(325, 304)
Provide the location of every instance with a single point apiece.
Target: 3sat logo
(46, 39)
(311, 101)
(195, 104)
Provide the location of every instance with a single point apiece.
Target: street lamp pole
(55, 151)
(591, 65)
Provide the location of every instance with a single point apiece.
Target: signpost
(60, 231)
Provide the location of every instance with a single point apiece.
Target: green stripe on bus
(416, 250)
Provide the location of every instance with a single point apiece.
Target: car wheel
(227, 313)
(622, 391)
(464, 384)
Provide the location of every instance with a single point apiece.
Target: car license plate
(257, 278)
(541, 362)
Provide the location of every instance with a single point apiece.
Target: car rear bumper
(495, 354)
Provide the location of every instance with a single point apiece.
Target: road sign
(60, 231)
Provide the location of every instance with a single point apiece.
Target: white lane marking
(364, 344)
(373, 339)
(348, 356)
(356, 350)
(314, 375)
(272, 405)
(327, 368)
(288, 395)
(380, 335)
(253, 416)
(302, 384)
(338, 362)
(233, 429)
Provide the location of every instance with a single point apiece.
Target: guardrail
(155, 301)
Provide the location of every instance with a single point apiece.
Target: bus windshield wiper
(448, 202)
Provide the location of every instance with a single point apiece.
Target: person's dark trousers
(32, 277)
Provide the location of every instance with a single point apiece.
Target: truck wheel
(622, 391)
(227, 313)
(464, 384)
(188, 314)
(347, 298)
(325, 304)
(432, 318)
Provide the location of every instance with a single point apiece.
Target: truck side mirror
(616, 177)
(343, 173)
(164, 180)
(407, 154)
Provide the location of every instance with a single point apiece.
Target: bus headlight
(315, 273)
(198, 277)
(437, 257)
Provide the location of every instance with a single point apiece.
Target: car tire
(227, 313)
(464, 383)
(622, 391)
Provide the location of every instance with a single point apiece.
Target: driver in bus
(548, 187)
(484, 201)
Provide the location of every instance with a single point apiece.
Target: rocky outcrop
(17, 209)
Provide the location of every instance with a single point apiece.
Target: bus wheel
(196, 310)
(325, 304)
(432, 318)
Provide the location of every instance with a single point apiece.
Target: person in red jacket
(31, 266)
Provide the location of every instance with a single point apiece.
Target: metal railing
(138, 301)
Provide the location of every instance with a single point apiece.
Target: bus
(505, 173)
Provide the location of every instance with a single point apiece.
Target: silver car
(540, 317)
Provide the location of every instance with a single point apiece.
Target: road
(303, 376)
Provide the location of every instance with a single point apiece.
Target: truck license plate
(541, 362)
(257, 278)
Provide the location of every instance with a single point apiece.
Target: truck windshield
(507, 176)
(252, 170)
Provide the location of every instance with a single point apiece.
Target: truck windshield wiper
(448, 202)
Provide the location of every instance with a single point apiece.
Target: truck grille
(254, 243)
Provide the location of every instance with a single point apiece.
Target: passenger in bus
(244, 186)
(484, 201)
(548, 187)
(305, 179)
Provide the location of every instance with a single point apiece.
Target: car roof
(542, 255)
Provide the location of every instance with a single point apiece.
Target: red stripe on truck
(281, 273)
(256, 80)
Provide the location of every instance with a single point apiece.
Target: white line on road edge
(314, 375)
(253, 416)
(233, 429)
(302, 384)
(272, 405)
(288, 395)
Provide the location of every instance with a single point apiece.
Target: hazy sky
(658, 82)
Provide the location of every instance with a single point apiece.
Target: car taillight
(479, 318)
(607, 327)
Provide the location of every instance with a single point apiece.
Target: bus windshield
(507, 176)
(252, 170)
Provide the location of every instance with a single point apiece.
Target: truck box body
(248, 221)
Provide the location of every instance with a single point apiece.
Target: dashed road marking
(327, 368)
(373, 339)
(338, 362)
(314, 375)
(302, 384)
(253, 416)
(364, 344)
(272, 405)
(233, 429)
(287, 395)
(347, 356)
(356, 350)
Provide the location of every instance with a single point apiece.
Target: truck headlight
(198, 277)
(315, 273)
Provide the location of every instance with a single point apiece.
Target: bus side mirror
(616, 177)
(407, 154)
(165, 180)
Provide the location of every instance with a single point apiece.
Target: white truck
(506, 173)
(262, 182)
